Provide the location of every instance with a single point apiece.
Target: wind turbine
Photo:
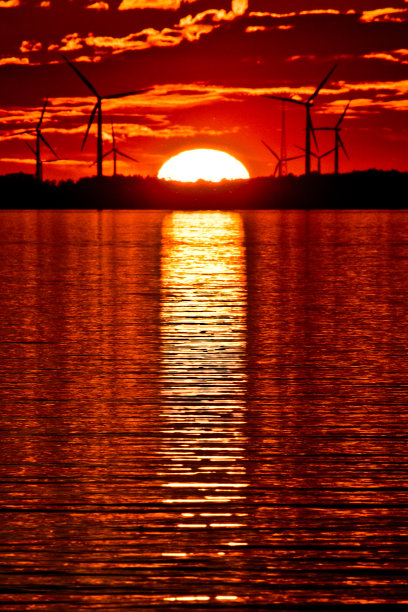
(39, 138)
(281, 160)
(337, 139)
(97, 109)
(319, 157)
(41, 161)
(307, 104)
(116, 152)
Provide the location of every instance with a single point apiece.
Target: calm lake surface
(203, 410)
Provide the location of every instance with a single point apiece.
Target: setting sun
(202, 164)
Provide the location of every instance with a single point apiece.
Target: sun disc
(202, 164)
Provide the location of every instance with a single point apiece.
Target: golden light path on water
(203, 331)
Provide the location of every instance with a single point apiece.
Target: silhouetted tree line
(360, 190)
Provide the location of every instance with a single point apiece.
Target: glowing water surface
(203, 410)
(203, 334)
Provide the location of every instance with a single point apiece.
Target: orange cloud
(177, 96)
(87, 59)
(370, 105)
(72, 42)
(67, 116)
(294, 13)
(99, 6)
(170, 130)
(148, 112)
(154, 103)
(398, 56)
(294, 58)
(9, 3)
(259, 28)
(320, 12)
(384, 14)
(29, 46)
(144, 39)
(13, 60)
(383, 56)
(250, 29)
(390, 88)
(238, 7)
(18, 119)
(192, 27)
(273, 15)
(189, 28)
(154, 4)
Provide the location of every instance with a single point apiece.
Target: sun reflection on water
(203, 382)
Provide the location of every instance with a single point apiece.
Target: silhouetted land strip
(358, 190)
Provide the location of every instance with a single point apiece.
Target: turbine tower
(39, 139)
(337, 139)
(278, 168)
(283, 151)
(97, 109)
(115, 152)
(307, 104)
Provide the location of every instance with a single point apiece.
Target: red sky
(208, 63)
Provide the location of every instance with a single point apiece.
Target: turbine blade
(313, 132)
(42, 114)
(321, 129)
(103, 157)
(25, 132)
(303, 149)
(125, 94)
(31, 148)
(315, 140)
(343, 147)
(269, 149)
(328, 152)
(47, 144)
(284, 99)
(343, 114)
(91, 118)
(296, 157)
(127, 156)
(326, 78)
(82, 77)
(276, 169)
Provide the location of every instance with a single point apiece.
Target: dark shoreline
(371, 189)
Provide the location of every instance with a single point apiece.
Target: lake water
(203, 410)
